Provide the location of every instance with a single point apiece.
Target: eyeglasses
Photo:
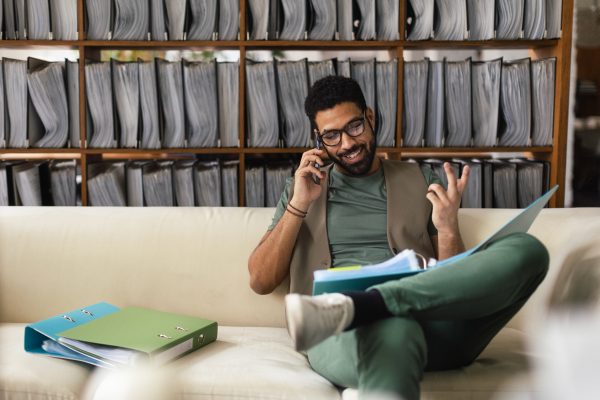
(334, 137)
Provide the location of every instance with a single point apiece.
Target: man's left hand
(446, 203)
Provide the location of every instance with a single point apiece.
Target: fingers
(442, 195)
(435, 201)
(451, 178)
(311, 159)
(310, 169)
(311, 156)
(464, 179)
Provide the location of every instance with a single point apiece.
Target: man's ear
(371, 116)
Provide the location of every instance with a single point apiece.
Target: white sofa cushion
(25, 376)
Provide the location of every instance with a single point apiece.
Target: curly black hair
(330, 91)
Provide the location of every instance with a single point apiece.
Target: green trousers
(443, 319)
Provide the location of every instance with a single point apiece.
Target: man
(363, 211)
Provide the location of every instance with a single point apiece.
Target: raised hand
(306, 190)
(446, 203)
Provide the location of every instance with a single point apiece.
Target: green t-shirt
(357, 217)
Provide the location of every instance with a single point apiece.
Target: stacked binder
(322, 20)
(43, 111)
(106, 336)
(161, 20)
(495, 183)
(265, 183)
(161, 104)
(39, 19)
(276, 91)
(183, 183)
(38, 183)
(483, 19)
(478, 104)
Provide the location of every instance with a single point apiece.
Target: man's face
(354, 155)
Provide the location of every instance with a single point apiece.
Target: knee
(396, 338)
(531, 253)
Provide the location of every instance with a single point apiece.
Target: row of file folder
(107, 336)
(183, 183)
(322, 19)
(38, 183)
(264, 184)
(161, 20)
(162, 104)
(496, 183)
(276, 90)
(478, 104)
(39, 105)
(483, 19)
(39, 19)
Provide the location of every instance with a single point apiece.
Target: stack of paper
(261, 103)
(15, 88)
(63, 179)
(98, 19)
(126, 81)
(451, 21)
(135, 184)
(319, 69)
(364, 73)
(203, 19)
(388, 16)
(255, 186)
(170, 88)
(150, 129)
(183, 182)
(48, 94)
(515, 103)
(292, 89)
(480, 15)
(229, 103)
(72, 82)
(207, 184)
(229, 182)
(257, 19)
(543, 73)
(64, 19)
(106, 184)
(366, 26)
(131, 20)
(324, 20)
(434, 124)
(345, 20)
(509, 17)
(486, 101)
(158, 184)
(201, 104)
(229, 20)
(414, 102)
(458, 103)
(387, 102)
(419, 19)
(276, 175)
(100, 130)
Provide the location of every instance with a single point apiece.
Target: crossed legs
(443, 319)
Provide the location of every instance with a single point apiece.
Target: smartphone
(317, 179)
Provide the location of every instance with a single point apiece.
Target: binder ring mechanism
(181, 329)
(87, 312)
(201, 338)
(68, 318)
(165, 336)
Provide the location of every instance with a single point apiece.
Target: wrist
(299, 206)
(449, 230)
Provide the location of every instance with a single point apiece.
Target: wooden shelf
(268, 150)
(555, 154)
(272, 44)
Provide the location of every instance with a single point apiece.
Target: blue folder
(361, 278)
(37, 333)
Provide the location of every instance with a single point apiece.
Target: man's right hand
(306, 190)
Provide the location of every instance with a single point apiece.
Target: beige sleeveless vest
(408, 212)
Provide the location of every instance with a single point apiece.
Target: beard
(361, 167)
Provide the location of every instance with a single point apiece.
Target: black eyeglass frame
(345, 129)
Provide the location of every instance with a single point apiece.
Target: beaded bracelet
(297, 215)
(301, 212)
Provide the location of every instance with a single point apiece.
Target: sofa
(194, 261)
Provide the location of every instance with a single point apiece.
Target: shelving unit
(559, 48)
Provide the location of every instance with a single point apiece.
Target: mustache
(352, 150)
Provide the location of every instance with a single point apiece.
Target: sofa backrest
(184, 260)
